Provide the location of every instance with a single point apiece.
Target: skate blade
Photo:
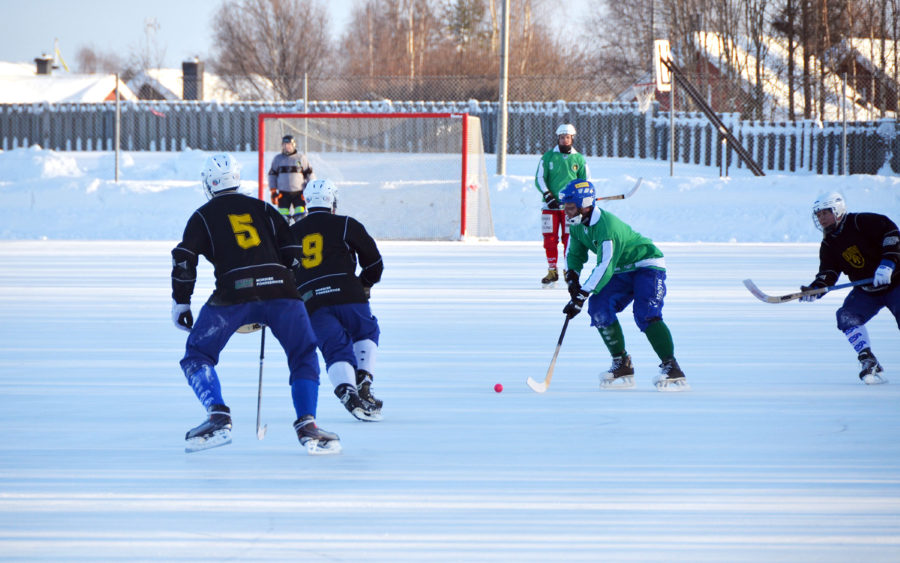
(218, 438)
(332, 447)
(624, 382)
(371, 416)
(550, 285)
(666, 386)
(874, 379)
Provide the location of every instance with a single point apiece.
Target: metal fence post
(844, 160)
(502, 117)
(672, 130)
(305, 110)
(118, 126)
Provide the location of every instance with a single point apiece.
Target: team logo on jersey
(854, 256)
(574, 168)
(244, 283)
(889, 241)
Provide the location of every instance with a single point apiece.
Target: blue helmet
(579, 192)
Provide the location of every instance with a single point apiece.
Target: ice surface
(779, 452)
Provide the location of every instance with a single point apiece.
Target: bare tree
(263, 47)
(91, 60)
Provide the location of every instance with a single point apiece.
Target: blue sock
(205, 384)
(305, 393)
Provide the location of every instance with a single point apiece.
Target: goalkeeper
(557, 168)
(288, 177)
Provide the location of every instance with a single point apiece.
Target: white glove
(181, 316)
(883, 274)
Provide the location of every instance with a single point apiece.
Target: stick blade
(537, 387)
(751, 287)
(261, 432)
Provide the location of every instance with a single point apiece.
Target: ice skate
(214, 432)
(671, 378)
(872, 373)
(550, 279)
(620, 374)
(315, 440)
(364, 385)
(355, 405)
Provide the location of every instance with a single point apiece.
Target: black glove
(818, 284)
(573, 280)
(551, 201)
(574, 307)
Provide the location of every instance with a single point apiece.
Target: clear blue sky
(28, 28)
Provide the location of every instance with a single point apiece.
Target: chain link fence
(617, 120)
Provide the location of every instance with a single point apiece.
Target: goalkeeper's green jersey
(618, 248)
(556, 169)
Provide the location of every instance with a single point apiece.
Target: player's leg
(284, 205)
(210, 334)
(551, 243)
(340, 360)
(602, 308)
(298, 207)
(290, 325)
(362, 326)
(649, 298)
(859, 307)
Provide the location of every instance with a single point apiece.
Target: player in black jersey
(252, 249)
(338, 300)
(863, 246)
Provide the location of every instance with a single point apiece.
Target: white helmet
(220, 172)
(833, 201)
(565, 129)
(321, 193)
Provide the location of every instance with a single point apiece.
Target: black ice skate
(550, 279)
(364, 385)
(671, 378)
(872, 373)
(315, 440)
(362, 410)
(620, 374)
(216, 431)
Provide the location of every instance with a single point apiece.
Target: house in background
(192, 82)
(23, 83)
(871, 70)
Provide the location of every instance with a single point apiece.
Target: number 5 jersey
(249, 243)
(330, 246)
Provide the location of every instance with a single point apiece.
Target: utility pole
(502, 117)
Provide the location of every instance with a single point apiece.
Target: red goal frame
(261, 149)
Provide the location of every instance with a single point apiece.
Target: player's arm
(888, 237)
(366, 251)
(584, 173)
(603, 272)
(308, 174)
(541, 177)
(185, 257)
(829, 272)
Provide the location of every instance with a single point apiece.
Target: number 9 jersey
(249, 243)
(330, 244)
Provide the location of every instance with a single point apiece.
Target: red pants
(552, 220)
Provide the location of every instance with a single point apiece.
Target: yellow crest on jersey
(574, 168)
(854, 256)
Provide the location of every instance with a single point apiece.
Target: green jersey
(618, 248)
(556, 169)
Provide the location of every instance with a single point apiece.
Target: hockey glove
(574, 282)
(883, 273)
(181, 316)
(818, 284)
(551, 201)
(275, 195)
(574, 307)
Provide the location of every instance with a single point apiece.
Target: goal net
(403, 176)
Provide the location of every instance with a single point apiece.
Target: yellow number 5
(312, 250)
(244, 232)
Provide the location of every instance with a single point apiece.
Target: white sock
(366, 353)
(858, 337)
(340, 373)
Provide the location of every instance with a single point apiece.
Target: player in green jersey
(556, 169)
(629, 268)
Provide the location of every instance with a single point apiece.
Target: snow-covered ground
(71, 195)
(778, 453)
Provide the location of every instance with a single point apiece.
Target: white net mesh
(401, 176)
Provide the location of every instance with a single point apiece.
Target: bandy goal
(403, 176)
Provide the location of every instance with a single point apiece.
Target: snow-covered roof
(17, 69)
(867, 53)
(64, 88)
(169, 83)
(737, 54)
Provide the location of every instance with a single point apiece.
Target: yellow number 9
(312, 250)
(246, 235)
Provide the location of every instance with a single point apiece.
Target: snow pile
(46, 194)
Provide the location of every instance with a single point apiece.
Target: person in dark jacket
(862, 246)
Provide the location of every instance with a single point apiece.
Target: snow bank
(47, 194)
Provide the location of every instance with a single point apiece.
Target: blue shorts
(860, 306)
(645, 286)
(286, 318)
(337, 327)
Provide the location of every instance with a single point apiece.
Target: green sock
(661, 339)
(613, 338)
